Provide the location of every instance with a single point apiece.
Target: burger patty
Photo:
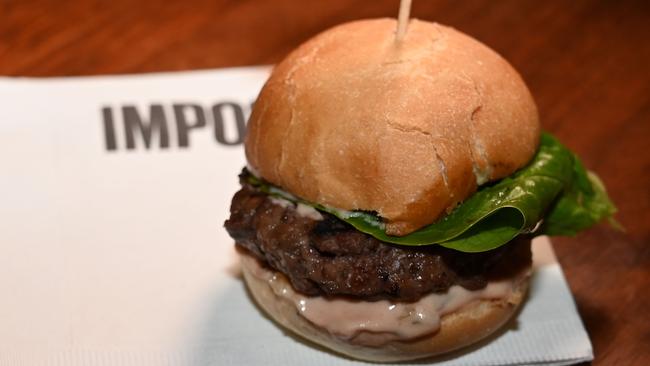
(329, 257)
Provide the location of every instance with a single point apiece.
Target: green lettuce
(554, 189)
(583, 204)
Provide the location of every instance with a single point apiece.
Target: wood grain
(586, 62)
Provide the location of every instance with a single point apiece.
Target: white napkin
(117, 256)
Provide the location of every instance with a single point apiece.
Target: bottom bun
(467, 325)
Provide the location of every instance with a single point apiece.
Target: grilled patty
(329, 257)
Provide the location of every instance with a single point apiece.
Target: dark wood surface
(586, 62)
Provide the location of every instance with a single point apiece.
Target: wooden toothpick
(402, 19)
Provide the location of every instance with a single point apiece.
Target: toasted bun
(354, 120)
(461, 328)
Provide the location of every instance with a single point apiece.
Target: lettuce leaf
(582, 204)
(553, 187)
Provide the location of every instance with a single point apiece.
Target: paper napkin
(113, 193)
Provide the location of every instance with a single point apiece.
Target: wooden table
(586, 62)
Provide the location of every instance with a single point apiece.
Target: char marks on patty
(329, 257)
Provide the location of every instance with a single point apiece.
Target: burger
(393, 188)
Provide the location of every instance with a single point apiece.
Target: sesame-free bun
(463, 327)
(355, 120)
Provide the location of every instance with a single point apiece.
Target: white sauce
(340, 212)
(301, 209)
(281, 202)
(378, 322)
(308, 211)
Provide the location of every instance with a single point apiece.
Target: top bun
(355, 120)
